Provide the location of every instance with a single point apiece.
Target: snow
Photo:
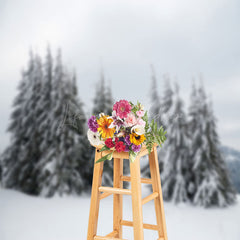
(230, 158)
(24, 217)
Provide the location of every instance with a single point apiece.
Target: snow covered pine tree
(20, 158)
(60, 165)
(40, 159)
(166, 116)
(210, 184)
(155, 112)
(103, 98)
(176, 154)
(103, 102)
(167, 101)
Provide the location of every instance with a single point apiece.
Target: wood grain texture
(100, 192)
(115, 190)
(143, 180)
(104, 195)
(149, 198)
(145, 225)
(112, 234)
(136, 199)
(158, 202)
(106, 238)
(95, 197)
(117, 198)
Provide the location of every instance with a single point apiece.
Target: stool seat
(100, 192)
(124, 155)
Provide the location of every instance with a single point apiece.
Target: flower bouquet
(127, 130)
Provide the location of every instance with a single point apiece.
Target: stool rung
(149, 198)
(105, 238)
(145, 225)
(112, 234)
(104, 195)
(115, 190)
(143, 180)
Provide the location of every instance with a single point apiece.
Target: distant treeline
(49, 152)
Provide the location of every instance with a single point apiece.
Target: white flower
(117, 121)
(94, 138)
(120, 134)
(138, 129)
(114, 114)
(141, 122)
(101, 114)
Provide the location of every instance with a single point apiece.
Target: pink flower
(122, 108)
(140, 113)
(141, 122)
(130, 120)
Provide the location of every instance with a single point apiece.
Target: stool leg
(156, 185)
(117, 198)
(95, 197)
(136, 199)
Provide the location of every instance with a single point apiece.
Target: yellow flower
(137, 139)
(104, 130)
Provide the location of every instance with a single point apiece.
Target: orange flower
(104, 130)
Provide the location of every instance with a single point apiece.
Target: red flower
(109, 143)
(120, 147)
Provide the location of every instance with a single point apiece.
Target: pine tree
(100, 101)
(46, 156)
(167, 115)
(45, 101)
(109, 99)
(212, 186)
(83, 151)
(61, 164)
(176, 154)
(193, 108)
(20, 158)
(103, 103)
(11, 167)
(225, 185)
(167, 101)
(155, 111)
(33, 134)
(193, 113)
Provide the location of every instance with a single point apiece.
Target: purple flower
(92, 124)
(127, 140)
(126, 148)
(117, 121)
(136, 148)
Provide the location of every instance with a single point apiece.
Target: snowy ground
(29, 218)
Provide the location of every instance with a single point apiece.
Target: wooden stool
(99, 192)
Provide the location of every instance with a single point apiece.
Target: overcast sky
(181, 37)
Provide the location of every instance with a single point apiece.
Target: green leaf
(104, 148)
(106, 157)
(145, 117)
(131, 104)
